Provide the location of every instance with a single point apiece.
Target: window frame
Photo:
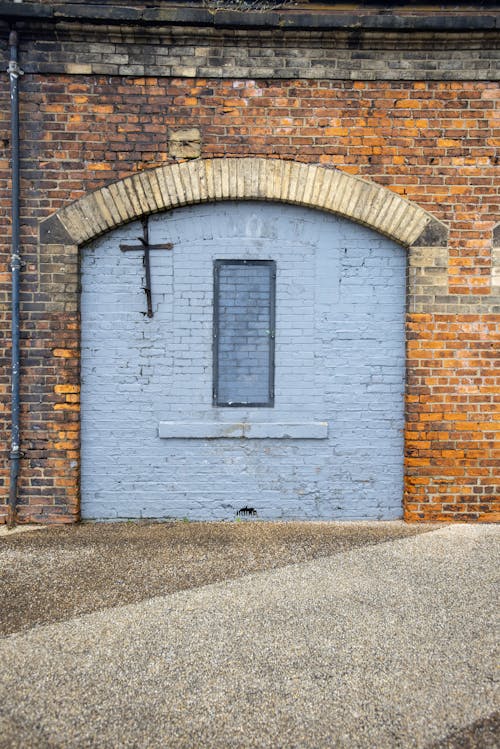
(218, 264)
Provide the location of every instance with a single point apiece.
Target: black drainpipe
(15, 454)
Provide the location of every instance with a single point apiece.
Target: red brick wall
(452, 446)
(433, 142)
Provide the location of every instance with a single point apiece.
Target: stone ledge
(281, 18)
(315, 430)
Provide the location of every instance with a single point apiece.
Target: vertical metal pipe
(15, 454)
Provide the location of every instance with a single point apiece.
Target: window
(243, 349)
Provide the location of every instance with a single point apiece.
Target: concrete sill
(297, 430)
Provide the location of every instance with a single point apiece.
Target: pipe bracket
(14, 70)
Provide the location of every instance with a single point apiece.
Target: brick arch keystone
(208, 180)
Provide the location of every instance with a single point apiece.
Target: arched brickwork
(205, 180)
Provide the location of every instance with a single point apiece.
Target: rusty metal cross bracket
(146, 247)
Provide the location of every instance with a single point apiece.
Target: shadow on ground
(53, 574)
(483, 734)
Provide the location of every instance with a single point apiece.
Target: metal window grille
(243, 332)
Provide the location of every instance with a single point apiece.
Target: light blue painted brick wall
(340, 303)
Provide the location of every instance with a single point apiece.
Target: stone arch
(208, 180)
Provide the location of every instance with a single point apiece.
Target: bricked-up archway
(203, 180)
(197, 412)
(206, 180)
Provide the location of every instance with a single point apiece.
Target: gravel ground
(365, 644)
(483, 734)
(59, 572)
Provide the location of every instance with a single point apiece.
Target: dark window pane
(244, 332)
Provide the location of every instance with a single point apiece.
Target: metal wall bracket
(146, 247)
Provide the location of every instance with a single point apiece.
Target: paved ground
(57, 573)
(249, 635)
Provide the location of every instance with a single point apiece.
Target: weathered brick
(426, 132)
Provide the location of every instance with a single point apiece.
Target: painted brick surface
(340, 297)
